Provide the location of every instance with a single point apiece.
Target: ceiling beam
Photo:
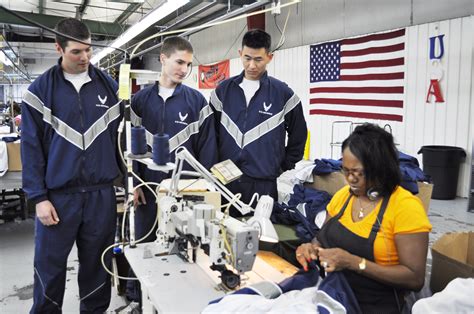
(129, 11)
(80, 10)
(41, 6)
(110, 30)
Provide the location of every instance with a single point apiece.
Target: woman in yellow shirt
(376, 232)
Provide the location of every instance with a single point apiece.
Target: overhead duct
(229, 15)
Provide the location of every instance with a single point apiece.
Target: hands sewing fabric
(331, 259)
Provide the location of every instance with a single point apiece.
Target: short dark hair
(72, 27)
(375, 149)
(256, 39)
(175, 43)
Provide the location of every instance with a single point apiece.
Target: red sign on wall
(211, 75)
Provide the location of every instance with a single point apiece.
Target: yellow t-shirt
(404, 214)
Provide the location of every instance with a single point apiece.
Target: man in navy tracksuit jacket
(70, 116)
(179, 111)
(254, 113)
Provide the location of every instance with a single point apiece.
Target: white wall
(313, 21)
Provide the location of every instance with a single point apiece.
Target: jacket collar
(177, 89)
(91, 71)
(239, 78)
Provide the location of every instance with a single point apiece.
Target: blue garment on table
(334, 292)
(10, 139)
(314, 201)
(411, 172)
(326, 166)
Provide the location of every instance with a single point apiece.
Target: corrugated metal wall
(447, 123)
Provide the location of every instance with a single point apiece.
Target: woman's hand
(307, 252)
(338, 259)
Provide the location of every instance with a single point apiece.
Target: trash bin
(442, 164)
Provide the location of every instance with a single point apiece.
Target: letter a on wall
(434, 90)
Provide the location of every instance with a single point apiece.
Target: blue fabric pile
(312, 202)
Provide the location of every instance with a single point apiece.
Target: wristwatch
(362, 265)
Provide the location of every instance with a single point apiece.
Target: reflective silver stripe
(215, 101)
(149, 138)
(270, 124)
(205, 112)
(63, 130)
(193, 128)
(92, 292)
(33, 101)
(291, 103)
(101, 124)
(226, 121)
(263, 128)
(181, 137)
(331, 305)
(44, 292)
(134, 118)
(232, 129)
(267, 289)
(68, 133)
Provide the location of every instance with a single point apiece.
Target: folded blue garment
(10, 139)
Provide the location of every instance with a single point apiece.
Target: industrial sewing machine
(184, 226)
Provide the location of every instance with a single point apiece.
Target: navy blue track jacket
(185, 116)
(69, 139)
(253, 136)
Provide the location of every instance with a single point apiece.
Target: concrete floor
(16, 258)
(16, 272)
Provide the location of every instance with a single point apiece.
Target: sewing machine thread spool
(161, 149)
(138, 140)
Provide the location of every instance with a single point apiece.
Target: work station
(236, 156)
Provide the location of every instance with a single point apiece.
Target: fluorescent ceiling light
(151, 18)
(4, 59)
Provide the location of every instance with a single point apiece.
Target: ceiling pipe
(203, 9)
(132, 8)
(81, 9)
(232, 14)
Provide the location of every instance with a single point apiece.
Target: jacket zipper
(83, 155)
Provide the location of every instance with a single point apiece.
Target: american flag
(359, 77)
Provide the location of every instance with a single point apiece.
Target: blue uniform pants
(89, 219)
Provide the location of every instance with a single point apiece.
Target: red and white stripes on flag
(359, 77)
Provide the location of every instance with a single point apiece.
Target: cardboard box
(424, 194)
(453, 257)
(14, 157)
(193, 190)
(330, 183)
(335, 181)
